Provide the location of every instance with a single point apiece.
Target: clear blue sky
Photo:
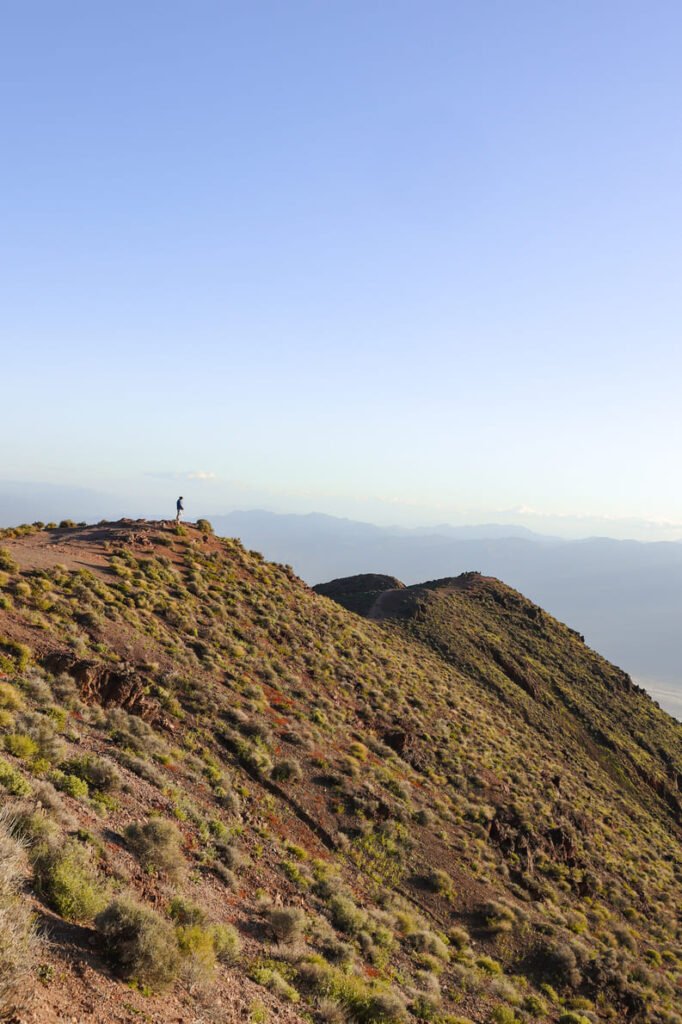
(408, 261)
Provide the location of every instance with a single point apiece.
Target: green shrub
(14, 657)
(98, 772)
(12, 780)
(270, 978)
(7, 563)
(157, 845)
(503, 1015)
(68, 881)
(70, 784)
(226, 942)
(140, 944)
(10, 698)
(21, 746)
(185, 913)
(198, 956)
(205, 526)
(346, 916)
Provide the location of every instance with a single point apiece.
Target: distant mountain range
(624, 596)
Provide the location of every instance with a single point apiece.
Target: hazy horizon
(28, 501)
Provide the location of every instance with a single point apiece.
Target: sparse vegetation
(337, 789)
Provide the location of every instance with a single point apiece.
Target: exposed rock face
(101, 684)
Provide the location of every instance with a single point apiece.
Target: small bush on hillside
(67, 879)
(346, 916)
(70, 784)
(10, 698)
(286, 923)
(40, 729)
(21, 746)
(156, 844)
(428, 942)
(198, 965)
(7, 563)
(140, 944)
(287, 771)
(14, 657)
(205, 526)
(271, 979)
(99, 773)
(559, 962)
(439, 881)
(186, 913)
(12, 780)
(226, 942)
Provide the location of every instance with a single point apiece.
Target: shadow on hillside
(77, 940)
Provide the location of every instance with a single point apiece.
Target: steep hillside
(228, 798)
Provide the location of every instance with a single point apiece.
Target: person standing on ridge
(179, 509)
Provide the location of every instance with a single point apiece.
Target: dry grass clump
(157, 845)
(286, 923)
(19, 943)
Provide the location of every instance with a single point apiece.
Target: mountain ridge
(456, 813)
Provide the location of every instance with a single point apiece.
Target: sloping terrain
(229, 798)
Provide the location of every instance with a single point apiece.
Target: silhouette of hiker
(179, 509)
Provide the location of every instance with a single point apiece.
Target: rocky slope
(229, 798)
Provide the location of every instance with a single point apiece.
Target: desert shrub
(336, 951)
(198, 965)
(149, 772)
(186, 913)
(558, 961)
(14, 656)
(140, 944)
(498, 917)
(439, 881)
(70, 784)
(21, 746)
(364, 1003)
(535, 1006)
(503, 1015)
(384, 1008)
(205, 526)
(10, 698)
(226, 942)
(286, 771)
(330, 1012)
(49, 746)
(157, 845)
(12, 780)
(230, 855)
(428, 942)
(18, 940)
(7, 563)
(98, 772)
(271, 979)
(286, 923)
(346, 916)
(132, 732)
(67, 879)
